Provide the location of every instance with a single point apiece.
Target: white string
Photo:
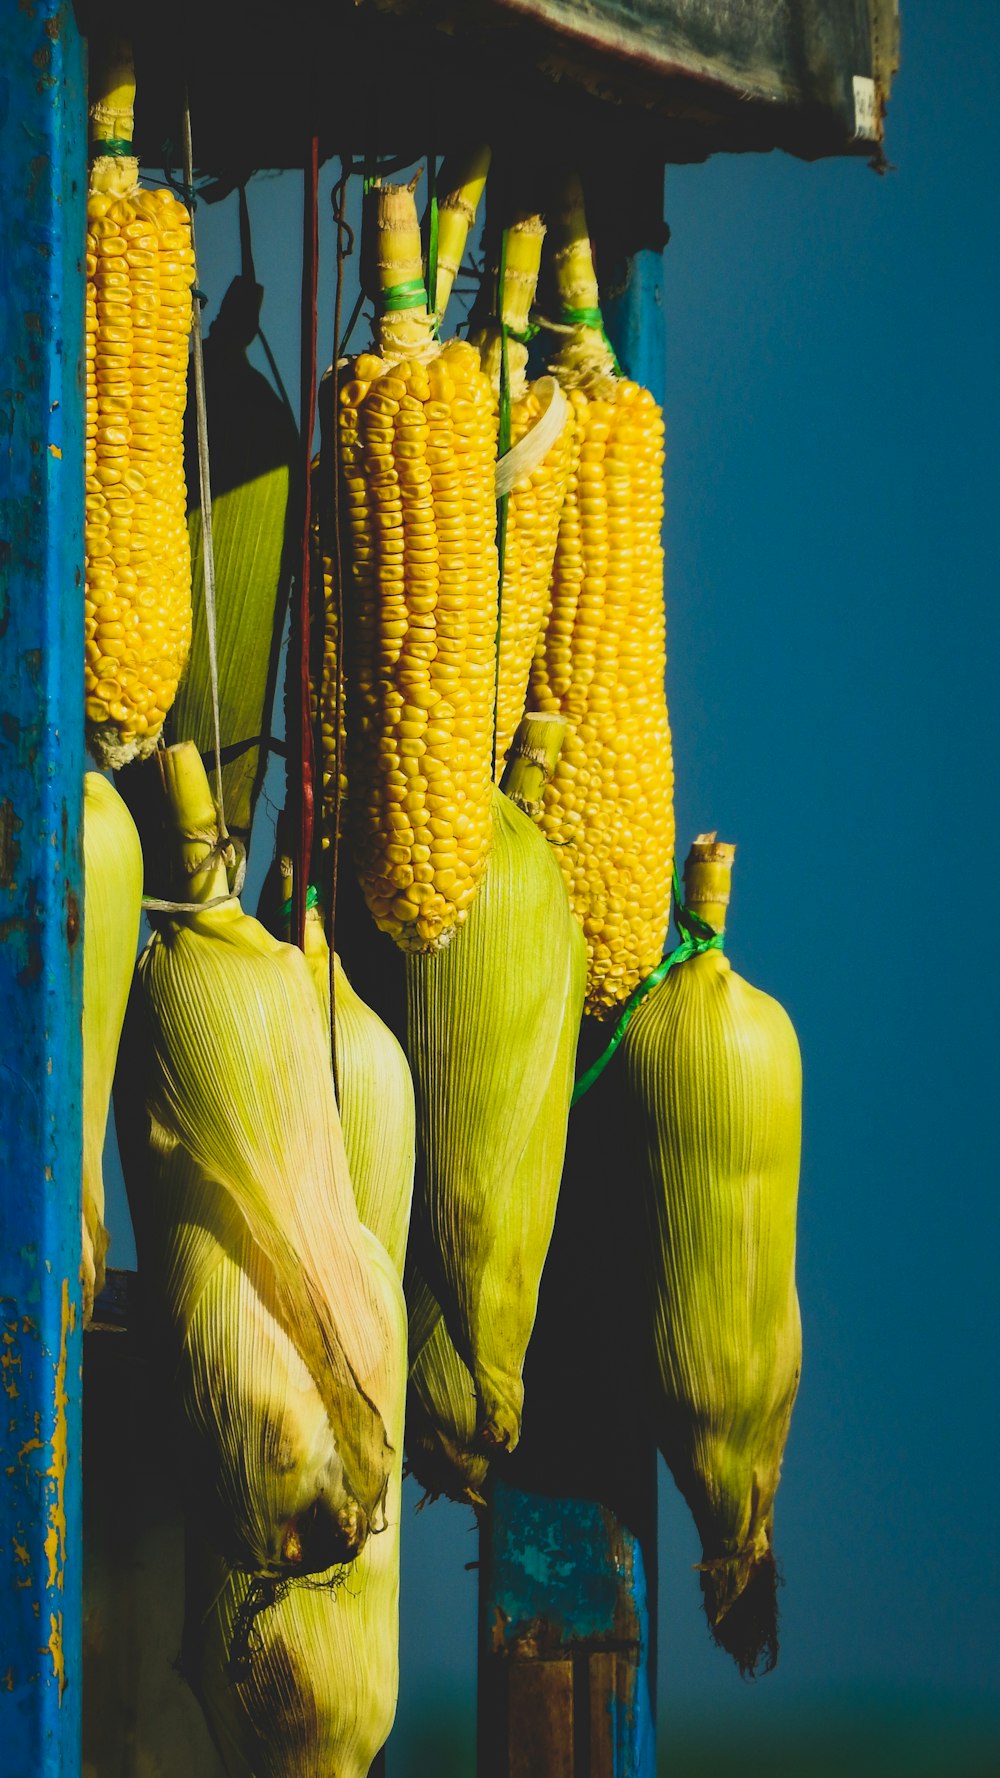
(155, 904)
(205, 485)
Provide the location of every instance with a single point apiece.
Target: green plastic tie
(114, 147)
(411, 294)
(432, 242)
(312, 899)
(591, 318)
(696, 936)
(530, 332)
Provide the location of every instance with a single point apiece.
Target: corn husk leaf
(228, 1062)
(300, 1681)
(442, 1412)
(253, 444)
(112, 858)
(490, 1018)
(713, 1080)
(376, 1092)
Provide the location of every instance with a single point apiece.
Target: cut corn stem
(462, 181)
(522, 261)
(407, 331)
(191, 813)
(531, 760)
(586, 354)
(707, 878)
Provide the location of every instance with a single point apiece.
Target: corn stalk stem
(532, 758)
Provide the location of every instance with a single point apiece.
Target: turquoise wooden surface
(43, 185)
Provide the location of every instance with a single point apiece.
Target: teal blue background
(832, 509)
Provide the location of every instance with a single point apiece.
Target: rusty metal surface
(43, 178)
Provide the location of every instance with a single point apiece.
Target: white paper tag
(866, 118)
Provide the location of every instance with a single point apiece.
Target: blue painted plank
(43, 180)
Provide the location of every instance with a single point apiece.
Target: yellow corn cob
(417, 453)
(233, 1152)
(713, 1079)
(601, 657)
(112, 882)
(140, 267)
(492, 1029)
(535, 500)
(303, 1680)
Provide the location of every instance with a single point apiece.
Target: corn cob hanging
(247, 1227)
(112, 909)
(374, 1085)
(302, 1680)
(712, 1085)
(442, 1413)
(533, 476)
(140, 268)
(417, 453)
(601, 657)
(492, 1030)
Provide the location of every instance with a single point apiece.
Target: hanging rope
(330, 530)
(310, 279)
(221, 844)
(204, 481)
(503, 502)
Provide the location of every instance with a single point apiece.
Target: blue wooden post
(568, 1545)
(43, 186)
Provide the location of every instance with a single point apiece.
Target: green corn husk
(492, 1027)
(112, 909)
(713, 1078)
(226, 1107)
(376, 1091)
(253, 445)
(301, 1681)
(441, 1424)
(441, 1409)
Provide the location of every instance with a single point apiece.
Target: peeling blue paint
(43, 170)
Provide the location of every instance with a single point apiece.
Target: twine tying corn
(696, 936)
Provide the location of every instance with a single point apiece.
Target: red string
(310, 276)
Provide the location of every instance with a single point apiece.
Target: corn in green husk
(269, 1317)
(373, 1077)
(442, 1441)
(441, 1408)
(112, 908)
(300, 1680)
(714, 1089)
(492, 1028)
